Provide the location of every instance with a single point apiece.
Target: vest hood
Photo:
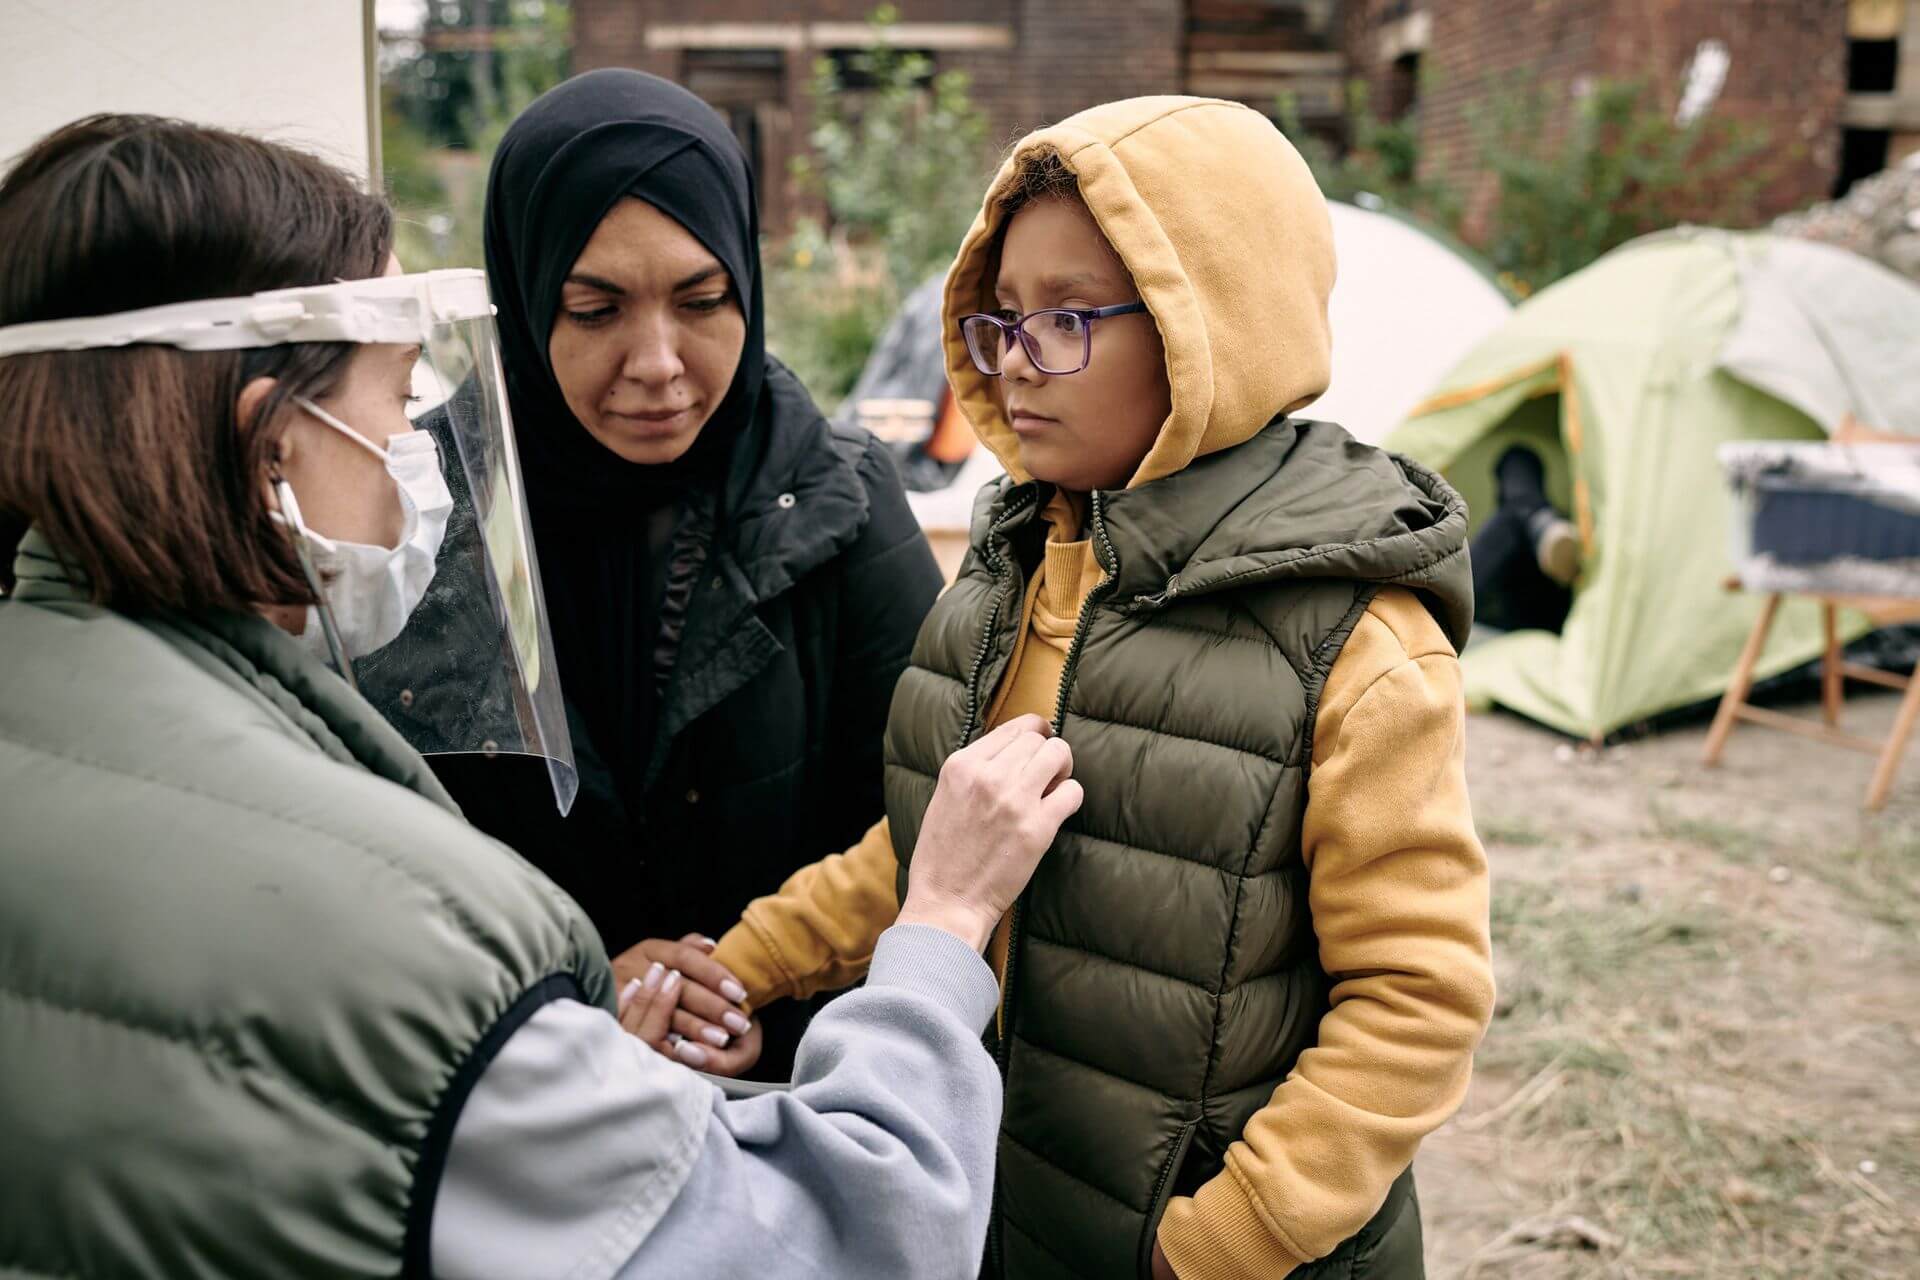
(1301, 500)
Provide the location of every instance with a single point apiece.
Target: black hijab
(565, 162)
(602, 525)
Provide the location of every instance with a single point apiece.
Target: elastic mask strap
(341, 427)
(297, 532)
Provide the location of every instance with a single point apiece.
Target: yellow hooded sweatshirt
(1228, 241)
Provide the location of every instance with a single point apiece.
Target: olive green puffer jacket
(251, 958)
(1163, 975)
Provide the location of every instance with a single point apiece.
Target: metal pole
(370, 37)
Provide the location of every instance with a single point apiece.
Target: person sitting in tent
(1251, 977)
(1526, 556)
(1626, 379)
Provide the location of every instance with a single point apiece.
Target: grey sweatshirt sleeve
(878, 1163)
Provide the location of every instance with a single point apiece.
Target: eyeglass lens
(1056, 341)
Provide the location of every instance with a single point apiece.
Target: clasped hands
(995, 811)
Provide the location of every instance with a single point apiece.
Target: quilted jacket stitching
(469, 927)
(203, 1047)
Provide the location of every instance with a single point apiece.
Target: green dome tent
(1626, 378)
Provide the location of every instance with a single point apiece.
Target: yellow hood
(1228, 239)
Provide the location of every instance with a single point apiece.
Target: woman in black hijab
(734, 586)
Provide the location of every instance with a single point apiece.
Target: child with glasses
(1250, 975)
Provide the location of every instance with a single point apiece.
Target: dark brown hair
(132, 460)
(1041, 175)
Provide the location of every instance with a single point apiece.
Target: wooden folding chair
(1835, 670)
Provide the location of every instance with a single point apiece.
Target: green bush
(1383, 160)
(825, 310)
(443, 114)
(900, 162)
(1621, 168)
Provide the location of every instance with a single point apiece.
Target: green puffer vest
(1163, 975)
(251, 958)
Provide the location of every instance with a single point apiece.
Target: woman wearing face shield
(269, 1005)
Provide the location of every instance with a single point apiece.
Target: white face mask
(371, 591)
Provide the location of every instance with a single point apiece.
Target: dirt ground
(1706, 1055)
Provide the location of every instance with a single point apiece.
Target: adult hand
(1162, 1269)
(710, 1024)
(999, 803)
(647, 1004)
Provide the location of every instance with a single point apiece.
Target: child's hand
(710, 1025)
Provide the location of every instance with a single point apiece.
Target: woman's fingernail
(690, 1053)
(714, 1036)
(735, 1023)
(653, 976)
(672, 983)
(628, 992)
(707, 942)
(733, 991)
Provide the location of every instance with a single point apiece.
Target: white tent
(1405, 309)
(1825, 333)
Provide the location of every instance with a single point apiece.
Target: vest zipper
(1001, 582)
(997, 567)
(1110, 565)
(1162, 1192)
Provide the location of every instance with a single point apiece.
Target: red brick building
(1835, 83)
(1031, 61)
(1882, 117)
(1779, 64)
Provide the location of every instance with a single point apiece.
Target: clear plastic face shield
(471, 671)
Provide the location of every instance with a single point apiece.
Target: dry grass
(1706, 1057)
(1647, 1075)
(1724, 838)
(1878, 866)
(1518, 833)
(1882, 874)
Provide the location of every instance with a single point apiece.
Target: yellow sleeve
(1398, 892)
(819, 931)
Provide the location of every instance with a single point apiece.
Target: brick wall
(757, 11)
(1486, 51)
(1072, 54)
(1787, 73)
(1065, 55)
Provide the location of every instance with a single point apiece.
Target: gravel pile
(1879, 217)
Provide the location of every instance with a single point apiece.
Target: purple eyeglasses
(1061, 343)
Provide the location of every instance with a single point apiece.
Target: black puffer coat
(767, 754)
